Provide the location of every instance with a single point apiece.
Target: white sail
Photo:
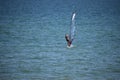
(72, 28)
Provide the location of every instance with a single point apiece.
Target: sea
(33, 45)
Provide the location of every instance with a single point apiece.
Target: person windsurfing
(69, 38)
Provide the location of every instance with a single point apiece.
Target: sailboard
(72, 27)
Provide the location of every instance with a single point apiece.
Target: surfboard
(70, 46)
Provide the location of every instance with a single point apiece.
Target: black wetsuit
(69, 42)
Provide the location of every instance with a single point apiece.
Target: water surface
(33, 47)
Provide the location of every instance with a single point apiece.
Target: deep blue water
(33, 47)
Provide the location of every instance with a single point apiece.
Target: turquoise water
(33, 47)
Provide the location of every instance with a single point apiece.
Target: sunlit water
(33, 47)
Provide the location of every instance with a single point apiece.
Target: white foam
(70, 46)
